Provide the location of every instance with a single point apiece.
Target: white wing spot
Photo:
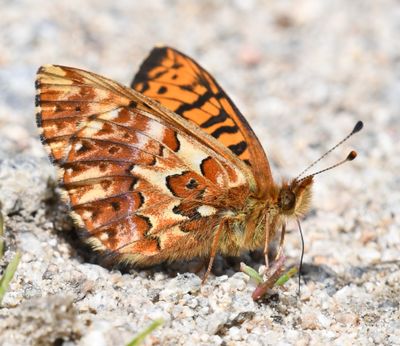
(92, 128)
(206, 210)
(87, 214)
(110, 115)
(103, 236)
(192, 156)
(154, 129)
(78, 146)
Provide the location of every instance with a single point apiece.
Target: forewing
(183, 86)
(138, 185)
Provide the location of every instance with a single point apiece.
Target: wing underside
(139, 185)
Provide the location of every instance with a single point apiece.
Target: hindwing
(142, 181)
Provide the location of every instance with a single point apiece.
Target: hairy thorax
(245, 229)
(255, 225)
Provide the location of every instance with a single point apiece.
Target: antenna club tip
(352, 155)
(358, 126)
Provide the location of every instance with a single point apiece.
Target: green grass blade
(251, 272)
(8, 275)
(1, 235)
(285, 277)
(142, 335)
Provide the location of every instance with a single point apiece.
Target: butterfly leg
(269, 226)
(280, 248)
(214, 248)
(266, 249)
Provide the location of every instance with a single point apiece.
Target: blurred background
(302, 72)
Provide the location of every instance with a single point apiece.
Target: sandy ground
(303, 72)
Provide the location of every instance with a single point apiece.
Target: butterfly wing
(183, 86)
(143, 184)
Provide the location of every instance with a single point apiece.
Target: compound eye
(287, 200)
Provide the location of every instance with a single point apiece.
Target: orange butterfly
(167, 170)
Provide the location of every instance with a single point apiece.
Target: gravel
(303, 72)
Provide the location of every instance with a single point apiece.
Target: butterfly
(168, 169)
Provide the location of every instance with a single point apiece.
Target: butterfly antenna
(356, 129)
(350, 157)
(302, 254)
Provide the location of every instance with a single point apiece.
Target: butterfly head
(294, 198)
